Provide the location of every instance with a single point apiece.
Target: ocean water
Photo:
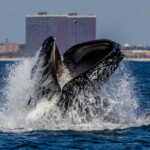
(120, 123)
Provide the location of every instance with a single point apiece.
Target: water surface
(124, 126)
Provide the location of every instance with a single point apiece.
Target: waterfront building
(67, 29)
(9, 47)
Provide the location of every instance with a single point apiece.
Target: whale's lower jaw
(90, 65)
(84, 83)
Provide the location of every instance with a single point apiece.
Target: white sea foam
(115, 107)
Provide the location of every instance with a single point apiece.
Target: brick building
(8, 47)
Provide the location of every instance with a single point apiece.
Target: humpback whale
(90, 64)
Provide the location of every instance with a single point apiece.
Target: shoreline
(12, 59)
(136, 59)
(22, 58)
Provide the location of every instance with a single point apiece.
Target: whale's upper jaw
(51, 59)
(48, 45)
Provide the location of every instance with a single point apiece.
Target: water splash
(113, 106)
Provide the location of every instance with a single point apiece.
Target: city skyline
(121, 21)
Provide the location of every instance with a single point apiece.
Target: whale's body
(90, 64)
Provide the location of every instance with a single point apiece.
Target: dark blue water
(129, 138)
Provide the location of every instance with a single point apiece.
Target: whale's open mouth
(80, 58)
(84, 56)
(89, 63)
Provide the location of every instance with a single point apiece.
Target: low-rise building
(8, 47)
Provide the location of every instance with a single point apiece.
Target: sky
(123, 21)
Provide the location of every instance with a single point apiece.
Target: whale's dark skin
(49, 62)
(51, 59)
(90, 63)
(97, 58)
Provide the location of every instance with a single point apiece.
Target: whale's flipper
(90, 64)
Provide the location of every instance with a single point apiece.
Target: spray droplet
(147, 115)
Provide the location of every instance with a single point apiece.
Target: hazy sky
(119, 20)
